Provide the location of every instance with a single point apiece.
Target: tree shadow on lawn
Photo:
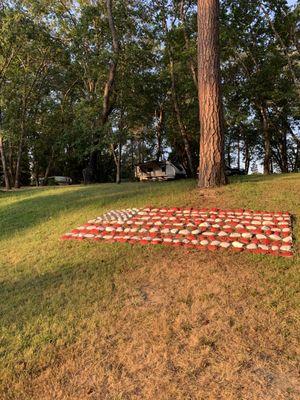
(67, 288)
(27, 213)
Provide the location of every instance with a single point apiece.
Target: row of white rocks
(235, 244)
(184, 232)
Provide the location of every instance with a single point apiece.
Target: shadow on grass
(54, 294)
(24, 214)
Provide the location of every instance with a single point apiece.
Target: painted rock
(238, 245)
(287, 239)
(225, 245)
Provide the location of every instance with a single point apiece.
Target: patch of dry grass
(132, 322)
(184, 326)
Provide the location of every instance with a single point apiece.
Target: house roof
(151, 164)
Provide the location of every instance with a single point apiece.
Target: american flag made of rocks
(258, 232)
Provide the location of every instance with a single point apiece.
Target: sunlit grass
(53, 292)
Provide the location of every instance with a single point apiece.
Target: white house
(159, 171)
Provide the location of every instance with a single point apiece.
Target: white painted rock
(225, 245)
(260, 237)
(286, 230)
(237, 245)
(204, 242)
(165, 230)
(215, 243)
(108, 237)
(255, 222)
(184, 232)
(222, 234)
(204, 225)
(275, 248)
(247, 235)
(288, 239)
(250, 227)
(235, 235)
(196, 232)
(263, 247)
(167, 240)
(268, 223)
(174, 231)
(285, 248)
(275, 237)
(208, 234)
(251, 246)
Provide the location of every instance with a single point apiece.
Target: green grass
(52, 293)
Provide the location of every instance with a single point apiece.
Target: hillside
(86, 320)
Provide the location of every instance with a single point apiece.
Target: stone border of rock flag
(258, 232)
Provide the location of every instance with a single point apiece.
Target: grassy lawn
(83, 320)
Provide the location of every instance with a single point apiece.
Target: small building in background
(159, 171)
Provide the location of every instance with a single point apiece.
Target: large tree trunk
(4, 167)
(211, 168)
(267, 140)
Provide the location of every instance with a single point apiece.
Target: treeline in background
(93, 87)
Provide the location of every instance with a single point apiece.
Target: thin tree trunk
(191, 63)
(247, 156)
(283, 153)
(159, 131)
(228, 149)
(107, 106)
(211, 169)
(267, 141)
(238, 153)
(181, 125)
(117, 160)
(4, 167)
(47, 172)
(283, 46)
(19, 156)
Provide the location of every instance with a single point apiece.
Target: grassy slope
(111, 321)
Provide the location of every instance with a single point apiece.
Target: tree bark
(267, 141)
(4, 167)
(191, 63)
(238, 153)
(19, 156)
(211, 168)
(181, 125)
(159, 131)
(107, 106)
